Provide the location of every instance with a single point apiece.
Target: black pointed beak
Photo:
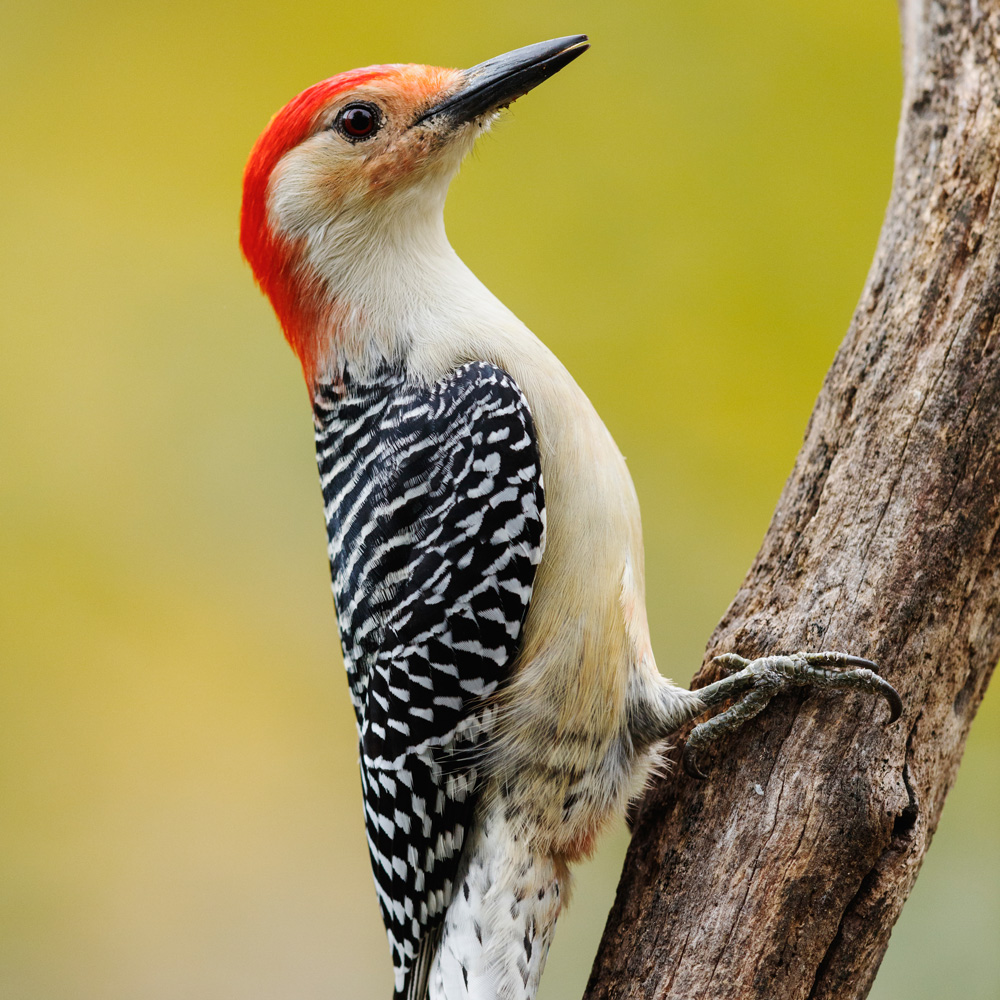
(499, 81)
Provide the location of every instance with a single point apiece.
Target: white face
(343, 197)
(358, 203)
(366, 159)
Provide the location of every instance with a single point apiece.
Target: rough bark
(783, 875)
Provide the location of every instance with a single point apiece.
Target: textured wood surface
(783, 874)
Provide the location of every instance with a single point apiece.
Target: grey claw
(755, 682)
(857, 661)
(691, 768)
(893, 700)
(891, 695)
(749, 705)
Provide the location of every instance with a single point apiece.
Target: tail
(417, 981)
(497, 930)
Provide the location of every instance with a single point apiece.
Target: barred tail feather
(499, 926)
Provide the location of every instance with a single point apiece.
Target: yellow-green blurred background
(686, 215)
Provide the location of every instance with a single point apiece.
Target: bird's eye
(358, 121)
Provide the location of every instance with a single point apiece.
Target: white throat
(402, 293)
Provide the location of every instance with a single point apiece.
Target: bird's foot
(758, 681)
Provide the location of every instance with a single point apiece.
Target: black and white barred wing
(435, 511)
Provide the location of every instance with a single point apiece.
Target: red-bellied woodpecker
(494, 628)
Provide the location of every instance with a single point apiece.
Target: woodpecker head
(356, 164)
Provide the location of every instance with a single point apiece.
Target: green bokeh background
(686, 215)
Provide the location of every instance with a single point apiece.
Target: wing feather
(436, 520)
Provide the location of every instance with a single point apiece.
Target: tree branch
(783, 874)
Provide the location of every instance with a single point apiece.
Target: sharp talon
(894, 702)
(691, 768)
(857, 661)
(756, 682)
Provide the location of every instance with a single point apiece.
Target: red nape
(298, 307)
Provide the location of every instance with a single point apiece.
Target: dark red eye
(359, 121)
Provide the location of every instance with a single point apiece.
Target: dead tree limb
(783, 875)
